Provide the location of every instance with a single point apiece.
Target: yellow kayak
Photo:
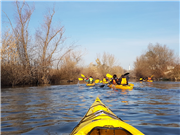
(123, 87)
(149, 80)
(87, 84)
(105, 82)
(100, 120)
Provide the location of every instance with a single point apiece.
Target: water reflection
(161, 85)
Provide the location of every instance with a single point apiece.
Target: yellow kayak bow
(100, 120)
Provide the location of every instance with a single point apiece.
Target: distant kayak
(123, 87)
(100, 120)
(149, 80)
(105, 82)
(93, 84)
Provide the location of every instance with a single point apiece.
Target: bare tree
(50, 39)
(21, 32)
(106, 63)
(8, 50)
(159, 58)
(31, 62)
(174, 70)
(69, 69)
(140, 67)
(15, 44)
(11, 73)
(118, 70)
(155, 61)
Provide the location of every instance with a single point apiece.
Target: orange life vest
(114, 81)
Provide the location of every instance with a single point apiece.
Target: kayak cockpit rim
(109, 131)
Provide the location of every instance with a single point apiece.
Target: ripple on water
(153, 108)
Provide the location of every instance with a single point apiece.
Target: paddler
(86, 79)
(123, 80)
(149, 78)
(105, 80)
(90, 80)
(115, 80)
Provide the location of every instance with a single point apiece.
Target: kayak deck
(123, 87)
(88, 84)
(100, 120)
(149, 80)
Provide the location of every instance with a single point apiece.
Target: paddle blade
(82, 75)
(109, 76)
(97, 81)
(80, 79)
(102, 85)
(152, 76)
(126, 74)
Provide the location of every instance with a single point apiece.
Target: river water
(152, 108)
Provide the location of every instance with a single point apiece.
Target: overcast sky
(123, 29)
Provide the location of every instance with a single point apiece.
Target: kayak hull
(105, 82)
(93, 84)
(100, 119)
(123, 87)
(149, 80)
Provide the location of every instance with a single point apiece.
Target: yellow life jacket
(104, 80)
(90, 80)
(123, 81)
(140, 79)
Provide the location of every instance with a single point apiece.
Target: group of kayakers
(149, 78)
(123, 80)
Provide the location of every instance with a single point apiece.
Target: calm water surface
(152, 108)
